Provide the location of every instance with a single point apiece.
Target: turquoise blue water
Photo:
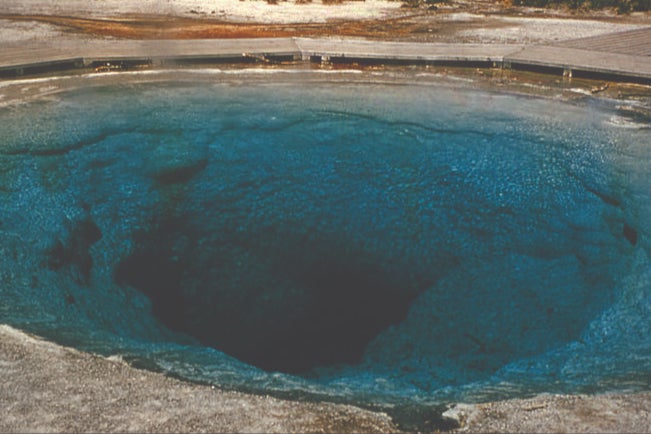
(368, 243)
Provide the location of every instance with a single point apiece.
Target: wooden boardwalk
(350, 49)
(624, 56)
(634, 42)
(22, 59)
(572, 61)
(621, 55)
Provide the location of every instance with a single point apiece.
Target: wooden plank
(191, 49)
(634, 42)
(401, 51)
(26, 56)
(583, 60)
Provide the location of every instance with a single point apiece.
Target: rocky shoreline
(51, 388)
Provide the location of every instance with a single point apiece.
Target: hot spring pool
(379, 244)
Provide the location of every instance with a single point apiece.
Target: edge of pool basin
(100, 394)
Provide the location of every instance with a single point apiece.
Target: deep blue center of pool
(365, 242)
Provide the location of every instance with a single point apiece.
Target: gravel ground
(531, 30)
(608, 413)
(48, 388)
(480, 21)
(226, 10)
